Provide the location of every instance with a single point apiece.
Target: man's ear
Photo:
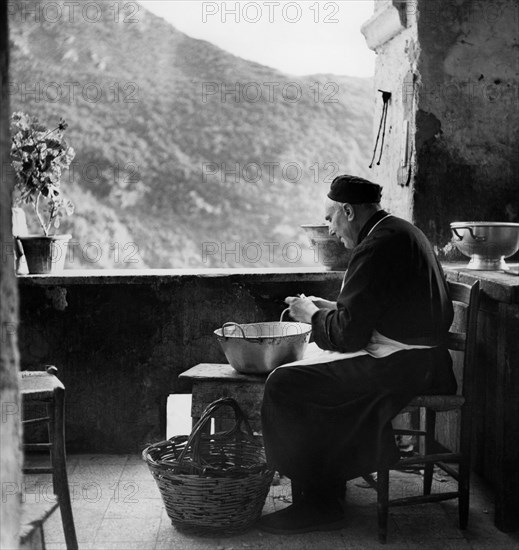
(348, 210)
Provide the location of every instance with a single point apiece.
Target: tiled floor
(118, 506)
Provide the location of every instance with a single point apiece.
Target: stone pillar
(10, 457)
(450, 152)
(392, 32)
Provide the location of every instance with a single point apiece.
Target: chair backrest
(466, 339)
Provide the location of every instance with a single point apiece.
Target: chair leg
(430, 429)
(297, 491)
(382, 503)
(464, 466)
(464, 493)
(59, 467)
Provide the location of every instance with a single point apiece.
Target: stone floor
(118, 506)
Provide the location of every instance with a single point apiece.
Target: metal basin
(258, 348)
(486, 243)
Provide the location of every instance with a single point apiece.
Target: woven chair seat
(436, 403)
(38, 385)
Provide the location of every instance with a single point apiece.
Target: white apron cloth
(379, 346)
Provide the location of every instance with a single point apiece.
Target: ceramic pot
(328, 249)
(44, 255)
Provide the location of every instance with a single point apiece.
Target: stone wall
(120, 341)
(10, 458)
(467, 114)
(495, 428)
(392, 33)
(453, 71)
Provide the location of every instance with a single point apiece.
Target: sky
(298, 38)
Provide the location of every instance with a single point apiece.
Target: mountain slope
(182, 146)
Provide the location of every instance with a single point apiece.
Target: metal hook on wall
(386, 96)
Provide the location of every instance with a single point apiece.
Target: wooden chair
(429, 405)
(44, 387)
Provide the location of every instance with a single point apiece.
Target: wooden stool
(43, 386)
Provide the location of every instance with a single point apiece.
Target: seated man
(328, 420)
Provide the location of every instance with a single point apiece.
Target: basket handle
(205, 418)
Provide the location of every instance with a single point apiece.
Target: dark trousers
(327, 423)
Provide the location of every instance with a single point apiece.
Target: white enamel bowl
(487, 244)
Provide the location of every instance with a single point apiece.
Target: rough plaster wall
(394, 69)
(9, 423)
(120, 347)
(468, 114)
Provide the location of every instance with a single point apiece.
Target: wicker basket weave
(212, 483)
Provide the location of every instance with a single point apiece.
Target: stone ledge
(154, 276)
(498, 285)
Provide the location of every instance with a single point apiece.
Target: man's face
(339, 224)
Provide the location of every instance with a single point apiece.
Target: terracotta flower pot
(45, 254)
(328, 249)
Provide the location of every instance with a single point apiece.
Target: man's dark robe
(323, 423)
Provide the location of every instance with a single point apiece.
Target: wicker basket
(212, 483)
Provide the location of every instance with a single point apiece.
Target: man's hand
(301, 308)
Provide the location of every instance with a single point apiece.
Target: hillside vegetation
(186, 156)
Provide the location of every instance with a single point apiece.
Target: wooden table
(214, 380)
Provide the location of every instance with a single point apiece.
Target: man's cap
(354, 190)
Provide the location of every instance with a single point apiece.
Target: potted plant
(328, 248)
(39, 156)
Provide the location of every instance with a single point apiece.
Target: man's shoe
(303, 517)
